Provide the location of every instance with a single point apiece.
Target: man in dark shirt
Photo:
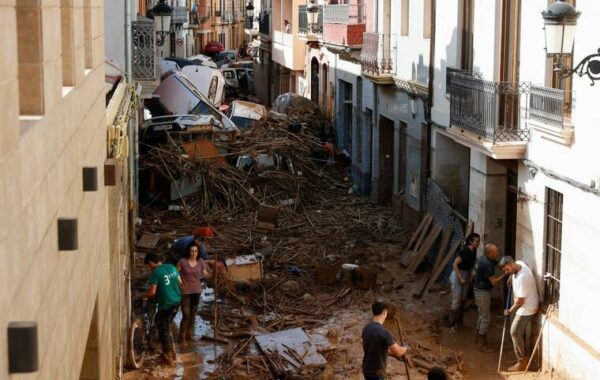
(377, 343)
(460, 277)
(180, 246)
(483, 283)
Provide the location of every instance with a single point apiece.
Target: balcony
(344, 24)
(264, 24)
(180, 16)
(378, 57)
(288, 50)
(550, 113)
(489, 116)
(310, 33)
(144, 59)
(200, 18)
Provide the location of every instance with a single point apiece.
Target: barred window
(553, 245)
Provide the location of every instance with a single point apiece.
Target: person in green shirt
(164, 285)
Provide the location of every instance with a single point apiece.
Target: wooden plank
(443, 246)
(148, 241)
(416, 234)
(427, 243)
(423, 232)
(407, 258)
(440, 268)
(423, 283)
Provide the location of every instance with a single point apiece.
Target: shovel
(504, 328)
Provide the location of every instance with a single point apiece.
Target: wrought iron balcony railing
(493, 110)
(304, 27)
(143, 50)
(348, 14)
(378, 55)
(550, 106)
(264, 24)
(180, 15)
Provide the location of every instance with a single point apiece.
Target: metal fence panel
(143, 51)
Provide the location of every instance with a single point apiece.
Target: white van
(209, 81)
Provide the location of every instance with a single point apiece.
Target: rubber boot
(451, 318)
(519, 366)
(172, 352)
(189, 331)
(182, 335)
(167, 356)
(483, 344)
(460, 323)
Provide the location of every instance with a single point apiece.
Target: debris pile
(313, 260)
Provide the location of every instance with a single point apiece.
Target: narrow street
(321, 228)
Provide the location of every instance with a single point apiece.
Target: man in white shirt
(525, 306)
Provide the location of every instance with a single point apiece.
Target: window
(404, 16)
(67, 50)
(31, 59)
(87, 33)
(427, 14)
(466, 54)
(222, 38)
(553, 245)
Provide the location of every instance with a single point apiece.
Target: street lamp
(249, 15)
(162, 13)
(312, 15)
(560, 23)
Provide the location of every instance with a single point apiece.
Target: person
(181, 246)
(377, 343)
(460, 278)
(164, 284)
(437, 373)
(525, 306)
(483, 282)
(287, 27)
(191, 270)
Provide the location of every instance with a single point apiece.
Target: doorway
(314, 80)
(90, 367)
(386, 161)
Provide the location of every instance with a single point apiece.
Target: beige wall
(41, 163)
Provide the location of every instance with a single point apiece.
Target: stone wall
(49, 132)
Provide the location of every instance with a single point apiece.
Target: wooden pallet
(426, 246)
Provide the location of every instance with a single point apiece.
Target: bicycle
(142, 333)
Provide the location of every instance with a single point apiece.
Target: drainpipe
(429, 104)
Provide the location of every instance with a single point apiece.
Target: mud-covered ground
(340, 335)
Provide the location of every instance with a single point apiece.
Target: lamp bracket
(589, 66)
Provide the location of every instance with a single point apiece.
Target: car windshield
(242, 122)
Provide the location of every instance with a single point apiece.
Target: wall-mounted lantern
(312, 16)
(162, 14)
(560, 24)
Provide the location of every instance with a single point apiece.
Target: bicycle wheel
(136, 351)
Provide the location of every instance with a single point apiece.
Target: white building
(512, 145)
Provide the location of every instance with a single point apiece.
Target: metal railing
(344, 14)
(143, 50)
(303, 26)
(495, 111)
(227, 16)
(180, 15)
(378, 55)
(264, 24)
(549, 105)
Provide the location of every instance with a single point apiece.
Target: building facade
(511, 146)
(63, 230)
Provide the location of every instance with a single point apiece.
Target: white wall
(412, 54)
(447, 44)
(114, 26)
(572, 338)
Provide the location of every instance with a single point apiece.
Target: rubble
(319, 230)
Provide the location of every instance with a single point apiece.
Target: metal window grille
(143, 53)
(553, 245)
